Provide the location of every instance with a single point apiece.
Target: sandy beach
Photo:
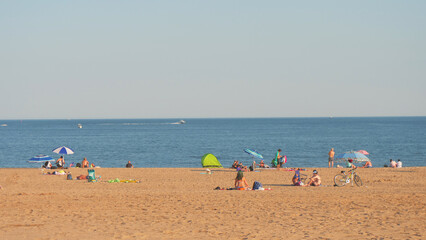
(177, 203)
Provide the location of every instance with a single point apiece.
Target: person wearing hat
(315, 180)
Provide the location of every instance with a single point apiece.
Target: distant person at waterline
(368, 164)
(399, 164)
(331, 158)
(392, 163)
(129, 165)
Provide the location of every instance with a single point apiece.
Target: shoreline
(180, 203)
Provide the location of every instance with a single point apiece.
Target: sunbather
(368, 164)
(240, 181)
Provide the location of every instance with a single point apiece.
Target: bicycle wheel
(340, 180)
(357, 181)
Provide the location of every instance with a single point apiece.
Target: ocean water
(159, 143)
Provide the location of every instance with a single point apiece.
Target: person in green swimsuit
(277, 160)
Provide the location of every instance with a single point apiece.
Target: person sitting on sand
(47, 165)
(235, 164)
(60, 162)
(296, 178)
(399, 164)
(392, 163)
(85, 163)
(368, 164)
(240, 181)
(315, 180)
(129, 165)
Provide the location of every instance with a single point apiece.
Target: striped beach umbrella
(355, 156)
(253, 153)
(40, 158)
(63, 150)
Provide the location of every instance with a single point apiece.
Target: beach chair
(91, 175)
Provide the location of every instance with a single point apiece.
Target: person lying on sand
(240, 181)
(315, 180)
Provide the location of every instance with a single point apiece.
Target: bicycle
(342, 179)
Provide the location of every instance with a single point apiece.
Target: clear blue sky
(185, 59)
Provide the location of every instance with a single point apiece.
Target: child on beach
(399, 164)
(240, 182)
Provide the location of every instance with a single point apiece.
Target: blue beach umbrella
(41, 158)
(355, 156)
(63, 150)
(253, 153)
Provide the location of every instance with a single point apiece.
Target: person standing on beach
(399, 164)
(85, 163)
(277, 160)
(331, 158)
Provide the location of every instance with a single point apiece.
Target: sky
(211, 59)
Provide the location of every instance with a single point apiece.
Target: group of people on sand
(394, 164)
(241, 183)
(60, 164)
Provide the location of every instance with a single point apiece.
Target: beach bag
(256, 185)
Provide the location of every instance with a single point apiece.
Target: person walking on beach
(331, 158)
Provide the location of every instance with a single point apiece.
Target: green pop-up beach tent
(209, 160)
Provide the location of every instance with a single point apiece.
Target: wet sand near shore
(180, 203)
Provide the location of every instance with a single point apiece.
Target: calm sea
(159, 143)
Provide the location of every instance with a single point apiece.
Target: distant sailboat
(79, 125)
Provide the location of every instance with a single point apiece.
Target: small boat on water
(4, 125)
(180, 122)
(79, 125)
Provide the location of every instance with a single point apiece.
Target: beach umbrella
(355, 156)
(253, 153)
(63, 150)
(363, 152)
(41, 158)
